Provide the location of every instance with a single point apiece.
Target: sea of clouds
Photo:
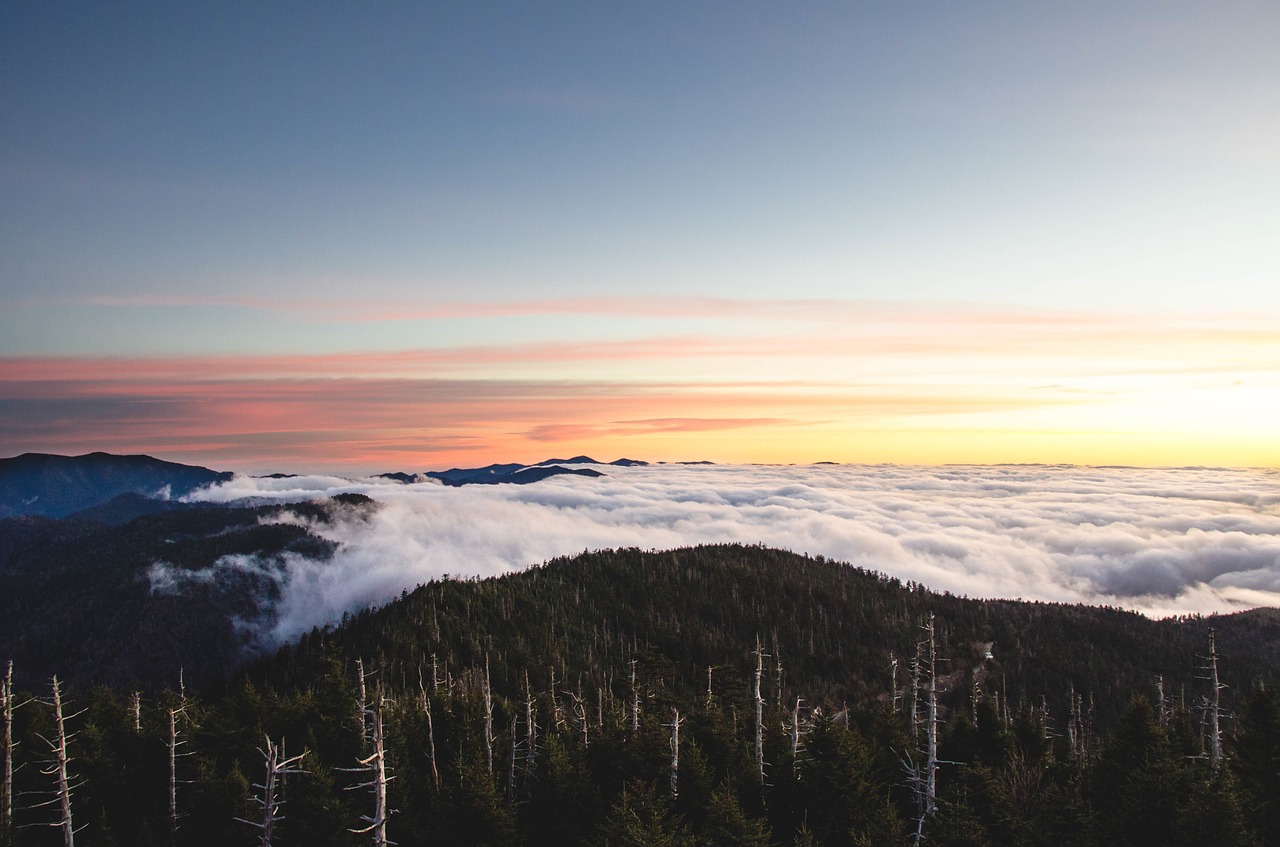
(1162, 541)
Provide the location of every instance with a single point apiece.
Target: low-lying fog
(1163, 541)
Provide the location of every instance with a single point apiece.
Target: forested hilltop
(722, 695)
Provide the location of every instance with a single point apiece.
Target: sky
(357, 237)
(1162, 541)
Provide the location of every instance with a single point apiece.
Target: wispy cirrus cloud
(571, 432)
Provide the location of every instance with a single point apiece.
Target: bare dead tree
(580, 714)
(172, 743)
(375, 765)
(431, 744)
(278, 767)
(778, 669)
(531, 726)
(1163, 710)
(6, 789)
(676, 720)
(488, 718)
(895, 696)
(135, 708)
(710, 698)
(362, 705)
(923, 776)
(424, 703)
(635, 700)
(914, 718)
(931, 768)
(1212, 703)
(557, 713)
(760, 656)
(59, 768)
(7, 705)
(795, 729)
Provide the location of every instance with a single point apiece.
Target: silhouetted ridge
(56, 486)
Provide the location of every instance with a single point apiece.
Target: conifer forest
(721, 695)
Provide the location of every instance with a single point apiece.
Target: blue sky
(264, 179)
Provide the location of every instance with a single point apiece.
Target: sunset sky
(401, 236)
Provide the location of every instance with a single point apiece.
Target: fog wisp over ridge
(1163, 541)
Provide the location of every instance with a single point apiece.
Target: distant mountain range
(523, 474)
(115, 489)
(57, 486)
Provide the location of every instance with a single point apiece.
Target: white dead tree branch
(676, 721)
(425, 702)
(580, 715)
(760, 657)
(1212, 703)
(269, 799)
(362, 704)
(923, 776)
(531, 727)
(488, 721)
(895, 697)
(795, 729)
(375, 765)
(7, 706)
(1163, 710)
(172, 744)
(59, 768)
(635, 700)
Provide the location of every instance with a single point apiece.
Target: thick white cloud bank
(1163, 541)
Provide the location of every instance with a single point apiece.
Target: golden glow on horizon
(938, 388)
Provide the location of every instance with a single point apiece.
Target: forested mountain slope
(834, 628)
(546, 708)
(132, 605)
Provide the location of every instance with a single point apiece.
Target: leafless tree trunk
(931, 773)
(1213, 703)
(488, 718)
(557, 713)
(760, 654)
(135, 706)
(6, 702)
(924, 781)
(277, 767)
(795, 729)
(778, 669)
(676, 720)
(635, 700)
(362, 705)
(915, 696)
(174, 742)
(431, 745)
(531, 726)
(375, 764)
(895, 697)
(59, 768)
(580, 713)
